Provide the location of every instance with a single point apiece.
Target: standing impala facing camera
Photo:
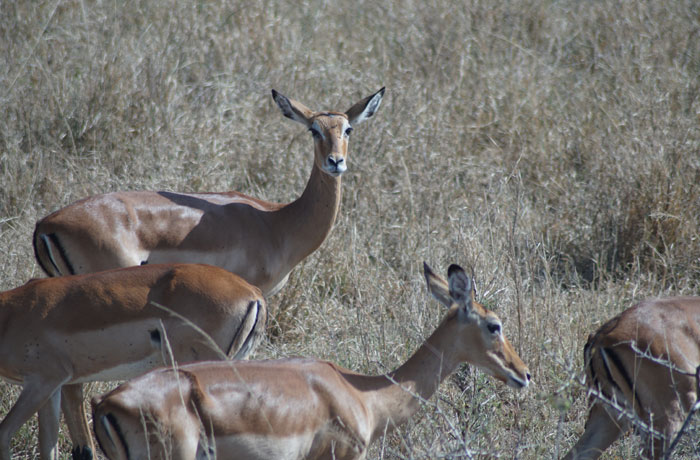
(256, 239)
(299, 408)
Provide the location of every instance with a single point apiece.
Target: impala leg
(49, 419)
(73, 406)
(601, 431)
(33, 397)
(669, 405)
(669, 424)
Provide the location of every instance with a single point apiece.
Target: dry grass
(552, 147)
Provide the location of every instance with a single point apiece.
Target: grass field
(552, 147)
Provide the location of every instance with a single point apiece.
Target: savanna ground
(552, 147)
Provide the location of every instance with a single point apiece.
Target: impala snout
(507, 366)
(335, 165)
(517, 371)
(517, 382)
(516, 378)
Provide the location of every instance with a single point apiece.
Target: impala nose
(336, 165)
(517, 383)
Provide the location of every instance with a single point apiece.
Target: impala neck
(399, 394)
(307, 221)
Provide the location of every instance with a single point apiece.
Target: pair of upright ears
(356, 114)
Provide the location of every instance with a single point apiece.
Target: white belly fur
(124, 371)
(254, 447)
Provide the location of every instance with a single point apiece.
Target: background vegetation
(552, 147)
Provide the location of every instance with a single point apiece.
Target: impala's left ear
(437, 286)
(461, 289)
(365, 108)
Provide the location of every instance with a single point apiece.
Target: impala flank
(62, 332)
(642, 362)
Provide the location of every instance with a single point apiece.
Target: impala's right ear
(437, 286)
(461, 288)
(292, 109)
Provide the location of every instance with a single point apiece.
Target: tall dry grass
(551, 147)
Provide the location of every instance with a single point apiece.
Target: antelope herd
(167, 291)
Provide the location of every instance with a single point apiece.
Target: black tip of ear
(274, 94)
(381, 91)
(427, 271)
(454, 268)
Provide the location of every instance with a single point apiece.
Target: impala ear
(293, 109)
(461, 288)
(365, 108)
(437, 286)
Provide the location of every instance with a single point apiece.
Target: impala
(108, 326)
(643, 362)
(258, 240)
(298, 408)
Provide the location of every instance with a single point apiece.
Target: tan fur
(296, 408)
(105, 326)
(258, 240)
(645, 360)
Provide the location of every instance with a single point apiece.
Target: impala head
(330, 130)
(480, 340)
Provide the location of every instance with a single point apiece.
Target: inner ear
(365, 108)
(294, 110)
(437, 286)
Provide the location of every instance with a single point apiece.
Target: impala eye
(348, 131)
(315, 133)
(494, 328)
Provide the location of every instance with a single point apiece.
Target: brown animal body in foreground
(644, 360)
(65, 331)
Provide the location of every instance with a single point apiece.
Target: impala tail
(606, 372)
(50, 255)
(251, 330)
(108, 433)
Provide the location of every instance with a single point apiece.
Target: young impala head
(480, 340)
(330, 130)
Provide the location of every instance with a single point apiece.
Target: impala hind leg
(72, 403)
(601, 431)
(666, 408)
(35, 394)
(668, 424)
